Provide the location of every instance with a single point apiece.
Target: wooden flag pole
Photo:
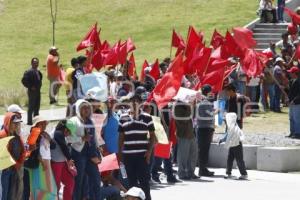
(53, 16)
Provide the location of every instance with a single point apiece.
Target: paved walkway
(261, 186)
(54, 114)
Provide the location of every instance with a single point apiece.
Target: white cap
(279, 59)
(14, 108)
(147, 69)
(136, 192)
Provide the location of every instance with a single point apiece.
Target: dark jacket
(183, 121)
(32, 78)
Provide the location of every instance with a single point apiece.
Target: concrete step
(273, 26)
(262, 46)
(271, 30)
(266, 40)
(267, 35)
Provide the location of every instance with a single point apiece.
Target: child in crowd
(233, 142)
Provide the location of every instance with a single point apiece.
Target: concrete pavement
(261, 186)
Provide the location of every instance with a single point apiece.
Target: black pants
(138, 172)
(34, 102)
(204, 136)
(264, 16)
(237, 154)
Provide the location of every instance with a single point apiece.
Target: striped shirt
(136, 132)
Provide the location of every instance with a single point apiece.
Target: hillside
(27, 30)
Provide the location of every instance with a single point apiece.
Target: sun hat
(14, 108)
(38, 119)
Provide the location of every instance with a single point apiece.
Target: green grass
(26, 28)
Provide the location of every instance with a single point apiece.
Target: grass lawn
(27, 30)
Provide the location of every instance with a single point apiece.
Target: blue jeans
(280, 9)
(241, 87)
(277, 98)
(88, 178)
(268, 90)
(167, 166)
(5, 182)
(294, 115)
(251, 93)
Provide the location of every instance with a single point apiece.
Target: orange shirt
(53, 69)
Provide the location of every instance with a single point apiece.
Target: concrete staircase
(266, 33)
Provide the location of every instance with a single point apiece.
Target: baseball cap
(136, 192)
(38, 119)
(53, 48)
(14, 108)
(71, 125)
(294, 70)
(279, 59)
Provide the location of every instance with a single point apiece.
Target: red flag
(215, 79)
(170, 83)
(231, 47)
(194, 39)
(132, 67)
(177, 41)
(91, 38)
(110, 56)
(252, 64)
(163, 150)
(155, 72)
(216, 64)
(294, 16)
(97, 60)
(142, 76)
(122, 53)
(199, 61)
(217, 39)
(244, 38)
(292, 28)
(130, 45)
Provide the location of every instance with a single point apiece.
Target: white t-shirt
(45, 150)
(253, 82)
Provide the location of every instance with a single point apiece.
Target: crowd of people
(67, 158)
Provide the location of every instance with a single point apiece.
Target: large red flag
(90, 39)
(252, 63)
(170, 83)
(130, 45)
(231, 47)
(215, 79)
(198, 62)
(217, 39)
(177, 41)
(142, 76)
(132, 67)
(294, 16)
(216, 64)
(244, 38)
(110, 56)
(194, 39)
(155, 72)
